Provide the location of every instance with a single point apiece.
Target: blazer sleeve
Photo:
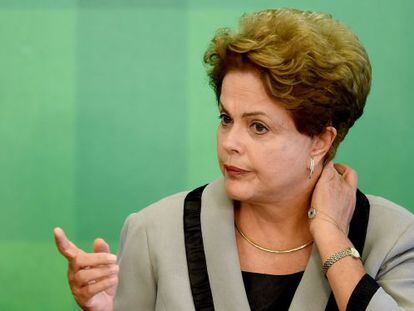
(393, 288)
(137, 286)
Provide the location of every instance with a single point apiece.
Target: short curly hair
(313, 64)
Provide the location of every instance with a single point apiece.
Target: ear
(321, 143)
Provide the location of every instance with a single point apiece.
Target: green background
(105, 107)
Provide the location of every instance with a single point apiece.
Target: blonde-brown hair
(313, 64)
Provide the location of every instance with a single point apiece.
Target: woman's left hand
(334, 197)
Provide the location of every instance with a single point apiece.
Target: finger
(85, 276)
(100, 246)
(65, 247)
(91, 260)
(341, 168)
(348, 174)
(91, 290)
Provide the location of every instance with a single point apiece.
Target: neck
(281, 223)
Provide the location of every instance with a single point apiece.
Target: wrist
(328, 240)
(339, 255)
(322, 227)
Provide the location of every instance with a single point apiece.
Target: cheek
(283, 159)
(219, 151)
(219, 144)
(218, 138)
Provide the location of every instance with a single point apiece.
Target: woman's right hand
(92, 277)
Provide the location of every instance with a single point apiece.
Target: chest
(255, 260)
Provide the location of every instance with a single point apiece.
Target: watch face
(355, 253)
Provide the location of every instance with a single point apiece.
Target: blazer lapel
(223, 265)
(313, 290)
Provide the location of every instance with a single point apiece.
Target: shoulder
(167, 212)
(156, 224)
(390, 228)
(167, 209)
(385, 212)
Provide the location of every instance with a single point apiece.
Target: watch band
(349, 251)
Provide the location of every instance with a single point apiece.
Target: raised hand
(92, 277)
(334, 197)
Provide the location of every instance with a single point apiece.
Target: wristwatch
(349, 251)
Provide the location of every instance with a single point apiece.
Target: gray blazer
(153, 268)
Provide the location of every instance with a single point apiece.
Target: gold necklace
(274, 251)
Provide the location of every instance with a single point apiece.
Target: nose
(232, 140)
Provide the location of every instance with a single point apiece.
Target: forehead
(238, 84)
(243, 91)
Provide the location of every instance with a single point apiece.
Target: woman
(284, 226)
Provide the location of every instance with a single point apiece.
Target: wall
(105, 107)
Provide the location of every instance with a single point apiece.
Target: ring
(312, 213)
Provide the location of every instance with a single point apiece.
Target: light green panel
(131, 104)
(38, 4)
(33, 277)
(36, 122)
(105, 107)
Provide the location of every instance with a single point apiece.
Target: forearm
(343, 275)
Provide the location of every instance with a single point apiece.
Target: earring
(311, 167)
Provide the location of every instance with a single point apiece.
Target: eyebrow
(255, 113)
(246, 114)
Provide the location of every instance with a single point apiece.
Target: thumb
(100, 246)
(65, 247)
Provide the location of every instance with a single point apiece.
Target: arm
(344, 275)
(352, 287)
(334, 198)
(394, 287)
(137, 283)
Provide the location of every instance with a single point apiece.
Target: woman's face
(262, 156)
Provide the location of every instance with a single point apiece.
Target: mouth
(234, 170)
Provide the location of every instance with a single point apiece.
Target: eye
(259, 128)
(225, 119)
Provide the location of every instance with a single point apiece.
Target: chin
(237, 190)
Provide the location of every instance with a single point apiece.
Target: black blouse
(267, 292)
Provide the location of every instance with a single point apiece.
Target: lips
(234, 169)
